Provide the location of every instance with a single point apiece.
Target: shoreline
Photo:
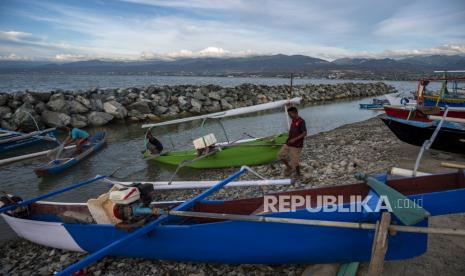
(98, 107)
(328, 158)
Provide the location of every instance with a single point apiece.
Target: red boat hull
(411, 113)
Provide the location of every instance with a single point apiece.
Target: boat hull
(411, 113)
(437, 101)
(22, 143)
(57, 166)
(256, 152)
(241, 242)
(450, 140)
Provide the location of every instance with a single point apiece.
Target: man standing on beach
(294, 144)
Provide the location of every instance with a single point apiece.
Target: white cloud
(13, 35)
(15, 57)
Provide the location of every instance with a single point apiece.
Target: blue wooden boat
(10, 140)
(57, 166)
(370, 106)
(73, 226)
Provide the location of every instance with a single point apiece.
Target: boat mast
(285, 106)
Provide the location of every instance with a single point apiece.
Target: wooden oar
(408, 216)
(52, 193)
(147, 228)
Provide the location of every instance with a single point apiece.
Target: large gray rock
(58, 105)
(214, 96)
(96, 105)
(84, 101)
(40, 107)
(4, 99)
(158, 110)
(25, 118)
(199, 95)
(142, 106)
(99, 118)
(116, 109)
(5, 112)
(41, 96)
(225, 105)
(78, 120)
(55, 119)
(57, 96)
(76, 107)
(29, 98)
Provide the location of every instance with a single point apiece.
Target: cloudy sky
(139, 29)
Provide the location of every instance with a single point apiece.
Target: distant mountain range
(271, 65)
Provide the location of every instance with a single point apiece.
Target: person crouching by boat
(294, 144)
(153, 144)
(79, 136)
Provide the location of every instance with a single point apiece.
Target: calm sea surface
(125, 141)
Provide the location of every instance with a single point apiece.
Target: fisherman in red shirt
(294, 144)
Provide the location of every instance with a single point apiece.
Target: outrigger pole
(52, 193)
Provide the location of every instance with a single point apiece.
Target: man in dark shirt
(294, 144)
(153, 144)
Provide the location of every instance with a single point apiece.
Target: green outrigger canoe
(248, 152)
(256, 152)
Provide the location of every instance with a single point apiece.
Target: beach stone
(142, 106)
(55, 119)
(96, 118)
(196, 106)
(116, 109)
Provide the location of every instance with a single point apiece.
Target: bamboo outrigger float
(255, 151)
(242, 231)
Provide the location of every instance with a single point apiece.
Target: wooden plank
(380, 245)
(453, 165)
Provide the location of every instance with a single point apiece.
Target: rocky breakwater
(98, 107)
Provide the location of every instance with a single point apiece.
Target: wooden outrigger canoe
(57, 166)
(251, 152)
(10, 140)
(235, 231)
(256, 151)
(451, 137)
